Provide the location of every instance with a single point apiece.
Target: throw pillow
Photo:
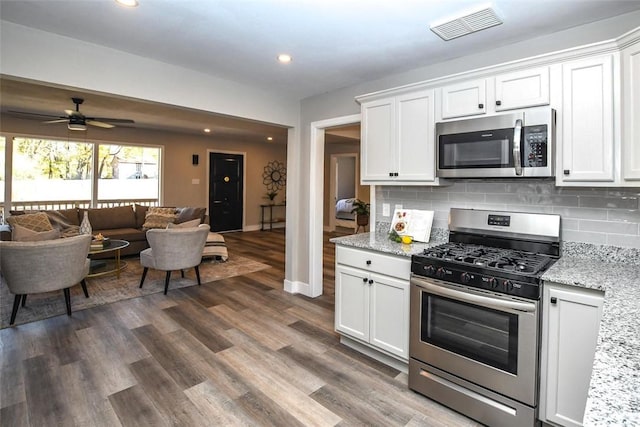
(34, 222)
(159, 217)
(187, 224)
(141, 214)
(23, 234)
(187, 214)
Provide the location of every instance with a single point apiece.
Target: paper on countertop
(412, 222)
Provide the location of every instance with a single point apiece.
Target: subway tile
(609, 227)
(434, 196)
(608, 202)
(623, 240)
(584, 236)
(457, 187)
(570, 224)
(632, 215)
(530, 208)
(528, 187)
(486, 187)
(581, 213)
(489, 206)
(467, 197)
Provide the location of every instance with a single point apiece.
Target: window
(46, 170)
(128, 172)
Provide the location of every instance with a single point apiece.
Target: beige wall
(337, 148)
(178, 172)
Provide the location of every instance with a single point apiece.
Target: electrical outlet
(386, 208)
(398, 207)
(195, 181)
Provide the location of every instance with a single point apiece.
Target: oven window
(477, 150)
(483, 334)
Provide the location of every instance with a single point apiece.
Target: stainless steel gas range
(475, 314)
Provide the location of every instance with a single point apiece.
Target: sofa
(121, 222)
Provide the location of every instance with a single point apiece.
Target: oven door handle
(489, 302)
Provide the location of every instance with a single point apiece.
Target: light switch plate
(386, 209)
(195, 181)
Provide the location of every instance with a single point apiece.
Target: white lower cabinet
(373, 308)
(570, 326)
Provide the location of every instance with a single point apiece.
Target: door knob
(481, 106)
(498, 102)
(554, 300)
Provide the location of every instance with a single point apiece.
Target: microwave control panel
(535, 146)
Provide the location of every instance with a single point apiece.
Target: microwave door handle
(517, 160)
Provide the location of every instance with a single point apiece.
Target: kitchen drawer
(374, 262)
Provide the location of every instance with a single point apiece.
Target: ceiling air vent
(467, 24)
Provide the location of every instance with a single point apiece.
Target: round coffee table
(101, 267)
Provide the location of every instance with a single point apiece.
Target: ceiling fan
(77, 121)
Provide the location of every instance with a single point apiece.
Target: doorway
(226, 190)
(343, 188)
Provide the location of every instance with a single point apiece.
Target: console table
(270, 220)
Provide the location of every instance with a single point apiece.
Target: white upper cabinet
(464, 99)
(587, 136)
(378, 137)
(521, 89)
(398, 139)
(631, 113)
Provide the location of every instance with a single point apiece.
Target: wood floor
(239, 351)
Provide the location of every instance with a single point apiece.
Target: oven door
(488, 339)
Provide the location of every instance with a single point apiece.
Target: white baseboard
(297, 287)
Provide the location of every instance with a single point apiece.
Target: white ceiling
(334, 43)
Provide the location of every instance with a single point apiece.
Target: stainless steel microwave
(518, 144)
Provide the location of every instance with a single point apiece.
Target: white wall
(37, 55)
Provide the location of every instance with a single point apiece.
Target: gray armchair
(174, 249)
(45, 266)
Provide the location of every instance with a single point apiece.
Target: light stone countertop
(614, 393)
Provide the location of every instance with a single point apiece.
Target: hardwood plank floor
(239, 351)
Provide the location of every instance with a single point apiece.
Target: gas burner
(489, 257)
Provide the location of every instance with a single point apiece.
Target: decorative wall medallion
(274, 176)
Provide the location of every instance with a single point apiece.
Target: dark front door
(225, 191)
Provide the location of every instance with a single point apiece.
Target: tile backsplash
(606, 216)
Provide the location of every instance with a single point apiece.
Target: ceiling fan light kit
(75, 120)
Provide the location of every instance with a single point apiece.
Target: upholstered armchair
(174, 249)
(44, 266)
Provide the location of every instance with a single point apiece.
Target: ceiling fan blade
(99, 124)
(56, 121)
(106, 119)
(34, 114)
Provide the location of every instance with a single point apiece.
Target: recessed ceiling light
(128, 3)
(207, 130)
(269, 138)
(284, 58)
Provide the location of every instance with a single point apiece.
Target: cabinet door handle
(364, 280)
(554, 300)
(370, 281)
(390, 173)
(567, 172)
(497, 103)
(368, 262)
(395, 174)
(481, 106)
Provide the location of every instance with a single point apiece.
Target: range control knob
(493, 282)
(507, 285)
(440, 272)
(465, 277)
(430, 269)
